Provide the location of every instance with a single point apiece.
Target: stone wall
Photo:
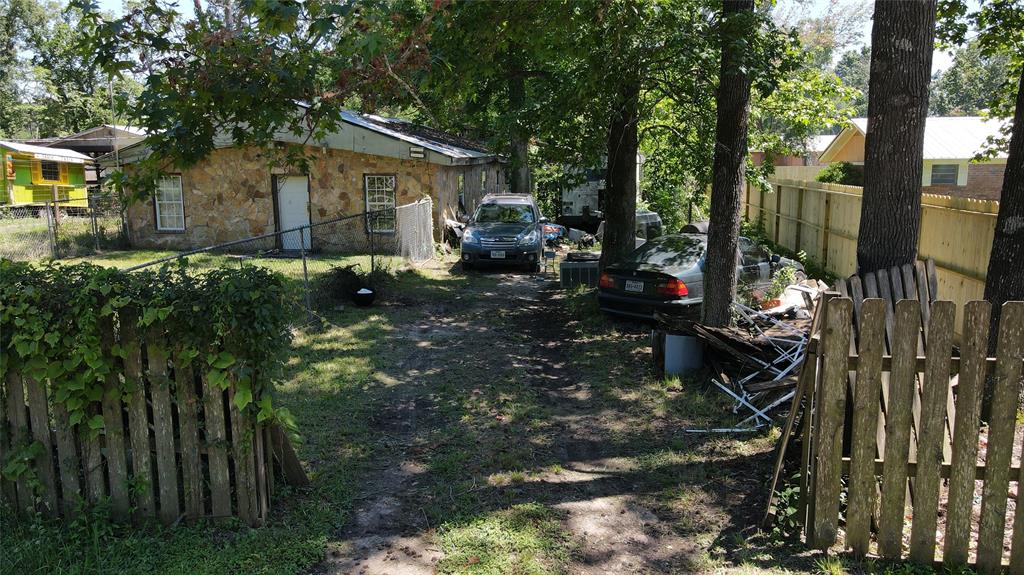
(228, 197)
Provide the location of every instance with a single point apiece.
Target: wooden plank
(964, 460)
(8, 489)
(803, 380)
(945, 471)
(239, 449)
(909, 284)
(138, 422)
(39, 417)
(268, 456)
(896, 284)
(113, 432)
(163, 428)
(933, 424)
(117, 462)
(862, 489)
(807, 456)
(92, 460)
(933, 279)
(294, 475)
(261, 475)
(923, 296)
(885, 292)
(216, 445)
(832, 407)
(1010, 352)
(17, 416)
(188, 424)
(897, 429)
(1017, 542)
(67, 460)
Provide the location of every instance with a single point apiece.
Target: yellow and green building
(33, 175)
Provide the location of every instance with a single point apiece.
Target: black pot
(364, 297)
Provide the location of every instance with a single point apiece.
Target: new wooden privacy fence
(174, 448)
(895, 425)
(823, 220)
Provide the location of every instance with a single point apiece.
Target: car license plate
(634, 285)
(495, 255)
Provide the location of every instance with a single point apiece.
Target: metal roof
(436, 140)
(46, 153)
(951, 138)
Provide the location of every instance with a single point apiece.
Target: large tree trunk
(520, 180)
(733, 100)
(620, 180)
(1005, 280)
(902, 40)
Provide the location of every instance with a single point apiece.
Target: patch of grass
(526, 539)
(830, 566)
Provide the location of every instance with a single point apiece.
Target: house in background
(815, 145)
(94, 143)
(34, 175)
(371, 163)
(949, 145)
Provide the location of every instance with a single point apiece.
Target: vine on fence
(56, 323)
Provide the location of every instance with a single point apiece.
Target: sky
(811, 8)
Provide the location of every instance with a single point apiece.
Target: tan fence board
(1000, 437)
(933, 426)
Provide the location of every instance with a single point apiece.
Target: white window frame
(161, 203)
(379, 193)
(956, 174)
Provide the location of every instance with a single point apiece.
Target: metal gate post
(305, 274)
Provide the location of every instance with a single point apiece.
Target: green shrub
(842, 173)
(57, 323)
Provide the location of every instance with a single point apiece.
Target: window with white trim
(170, 205)
(380, 195)
(943, 174)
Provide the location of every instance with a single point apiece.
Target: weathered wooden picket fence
(176, 448)
(894, 422)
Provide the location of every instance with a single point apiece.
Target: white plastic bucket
(683, 353)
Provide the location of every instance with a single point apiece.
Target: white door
(293, 209)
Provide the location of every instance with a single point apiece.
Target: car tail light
(606, 281)
(673, 287)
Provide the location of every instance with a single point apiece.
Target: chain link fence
(62, 229)
(326, 261)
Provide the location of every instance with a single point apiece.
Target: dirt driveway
(513, 430)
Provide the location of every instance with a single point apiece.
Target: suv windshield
(504, 214)
(682, 251)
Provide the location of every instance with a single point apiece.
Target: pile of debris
(756, 363)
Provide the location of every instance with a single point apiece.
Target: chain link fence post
(51, 230)
(305, 273)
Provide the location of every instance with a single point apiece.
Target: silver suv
(505, 229)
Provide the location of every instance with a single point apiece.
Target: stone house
(950, 144)
(370, 164)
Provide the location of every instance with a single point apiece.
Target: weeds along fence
(314, 257)
(895, 453)
(151, 393)
(60, 229)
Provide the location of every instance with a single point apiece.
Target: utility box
(576, 273)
